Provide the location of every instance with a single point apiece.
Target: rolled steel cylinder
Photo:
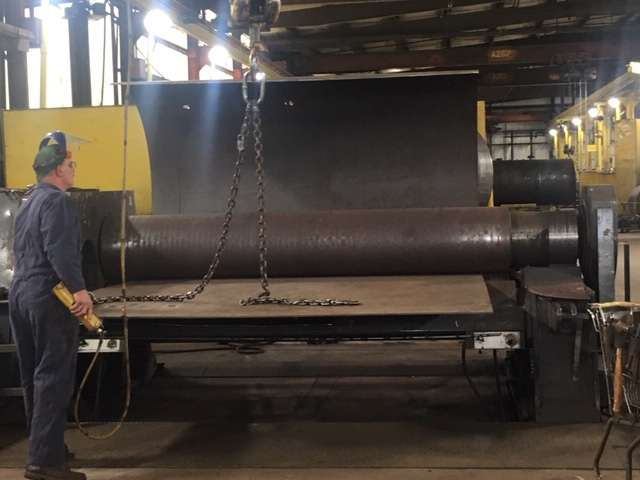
(332, 243)
(543, 182)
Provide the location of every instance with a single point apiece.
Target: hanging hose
(123, 236)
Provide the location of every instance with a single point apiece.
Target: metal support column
(237, 66)
(193, 58)
(17, 59)
(78, 15)
(114, 54)
(123, 40)
(3, 85)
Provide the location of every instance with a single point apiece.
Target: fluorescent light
(593, 112)
(47, 11)
(219, 55)
(577, 121)
(614, 102)
(157, 22)
(553, 132)
(210, 15)
(634, 67)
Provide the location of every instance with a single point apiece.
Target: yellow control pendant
(91, 322)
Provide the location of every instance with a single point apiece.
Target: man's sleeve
(61, 237)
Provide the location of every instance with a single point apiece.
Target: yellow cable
(123, 236)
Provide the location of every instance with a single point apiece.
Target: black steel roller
(331, 243)
(543, 182)
(544, 238)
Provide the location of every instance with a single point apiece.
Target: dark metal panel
(398, 142)
(563, 395)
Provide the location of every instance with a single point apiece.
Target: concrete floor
(330, 473)
(375, 411)
(195, 421)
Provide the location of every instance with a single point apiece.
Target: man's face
(66, 172)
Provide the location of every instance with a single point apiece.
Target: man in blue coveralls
(47, 250)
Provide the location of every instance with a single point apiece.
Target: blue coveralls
(47, 250)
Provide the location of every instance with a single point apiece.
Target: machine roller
(346, 242)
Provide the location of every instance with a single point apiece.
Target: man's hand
(83, 305)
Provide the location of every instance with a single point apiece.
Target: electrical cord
(498, 386)
(123, 222)
(465, 371)
(104, 53)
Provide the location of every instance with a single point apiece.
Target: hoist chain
(251, 126)
(222, 239)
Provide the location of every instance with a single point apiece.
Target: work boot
(52, 473)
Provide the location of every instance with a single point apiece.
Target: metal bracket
(111, 345)
(496, 340)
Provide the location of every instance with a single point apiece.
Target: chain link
(241, 142)
(251, 127)
(265, 298)
(302, 302)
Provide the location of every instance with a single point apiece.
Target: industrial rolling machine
(377, 229)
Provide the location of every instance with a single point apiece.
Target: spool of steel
(334, 243)
(543, 182)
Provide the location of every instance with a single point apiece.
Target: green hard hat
(52, 152)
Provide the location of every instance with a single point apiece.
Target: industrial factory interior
(319, 239)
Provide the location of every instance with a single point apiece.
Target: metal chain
(265, 298)
(222, 239)
(262, 227)
(251, 126)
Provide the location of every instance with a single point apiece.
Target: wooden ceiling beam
(502, 54)
(523, 116)
(301, 42)
(327, 14)
(480, 20)
(429, 4)
(556, 75)
(501, 94)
